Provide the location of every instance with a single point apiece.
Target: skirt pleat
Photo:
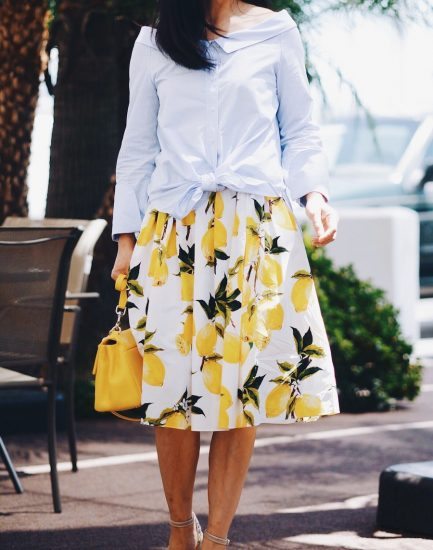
(225, 313)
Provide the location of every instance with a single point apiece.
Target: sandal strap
(184, 523)
(216, 539)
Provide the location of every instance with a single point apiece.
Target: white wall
(383, 246)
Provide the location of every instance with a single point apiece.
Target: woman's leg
(178, 452)
(229, 459)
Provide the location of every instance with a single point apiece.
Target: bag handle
(123, 417)
(121, 285)
(137, 414)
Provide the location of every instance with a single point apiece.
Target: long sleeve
(305, 165)
(139, 147)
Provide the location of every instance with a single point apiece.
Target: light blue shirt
(246, 125)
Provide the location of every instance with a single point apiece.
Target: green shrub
(373, 362)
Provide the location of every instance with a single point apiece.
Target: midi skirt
(224, 311)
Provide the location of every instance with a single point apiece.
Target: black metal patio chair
(34, 268)
(76, 294)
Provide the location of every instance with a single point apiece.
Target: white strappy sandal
(218, 540)
(192, 520)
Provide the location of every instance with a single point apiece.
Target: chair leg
(52, 448)
(70, 411)
(10, 467)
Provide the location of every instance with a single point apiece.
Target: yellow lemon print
(236, 225)
(226, 398)
(182, 344)
(189, 219)
(301, 290)
(252, 326)
(241, 420)
(283, 215)
(220, 234)
(206, 340)
(177, 420)
(240, 276)
(189, 327)
(277, 400)
(275, 317)
(146, 232)
(307, 405)
(212, 374)
(261, 341)
(270, 272)
(219, 205)
(223, 419)
(160, 273)
(252, 243)
(208, 246)
(186, 286)
(235, 350)
(171, 245)
(160, 222)
(232, 348)
(248, 323)
(153, 370)
(246, 293)
(225, 403)
(154, 259)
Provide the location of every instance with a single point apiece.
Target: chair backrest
(34, 268)
(81, 261)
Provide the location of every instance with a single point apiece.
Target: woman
(219, 139)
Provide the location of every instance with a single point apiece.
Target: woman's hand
(324, 218)
(125, 248)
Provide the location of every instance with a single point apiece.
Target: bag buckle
(120, 313)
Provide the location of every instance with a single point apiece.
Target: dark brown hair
(181, 30)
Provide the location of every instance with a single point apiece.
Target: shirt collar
(279, 22)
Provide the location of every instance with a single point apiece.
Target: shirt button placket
(213, 103)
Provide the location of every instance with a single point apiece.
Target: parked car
(386, 162)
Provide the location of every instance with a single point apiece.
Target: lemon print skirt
(225, 313)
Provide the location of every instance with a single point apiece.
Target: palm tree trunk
(21, 36)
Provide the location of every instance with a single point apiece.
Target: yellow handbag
(118, 366)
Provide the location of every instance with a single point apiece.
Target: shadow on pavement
(248, 531)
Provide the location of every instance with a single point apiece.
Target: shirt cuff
(126, 212)
(302, 201)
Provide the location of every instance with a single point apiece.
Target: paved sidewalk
(310, 486)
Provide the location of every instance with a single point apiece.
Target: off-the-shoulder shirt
(246, 125)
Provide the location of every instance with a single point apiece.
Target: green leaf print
(249, 392)
(259, 209)
(308, 372)
(307, 339)
(314, 351)
(186, 259)
(141, 323)
(133, 273)
(135, 288)
(221, 255)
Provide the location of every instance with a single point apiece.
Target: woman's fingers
(327, 230)
(326, 238)
(125, 250)
(314, 209)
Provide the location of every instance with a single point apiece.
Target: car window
(383, 144)
(428, 156)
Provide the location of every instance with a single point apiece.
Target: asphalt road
(310, 486)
